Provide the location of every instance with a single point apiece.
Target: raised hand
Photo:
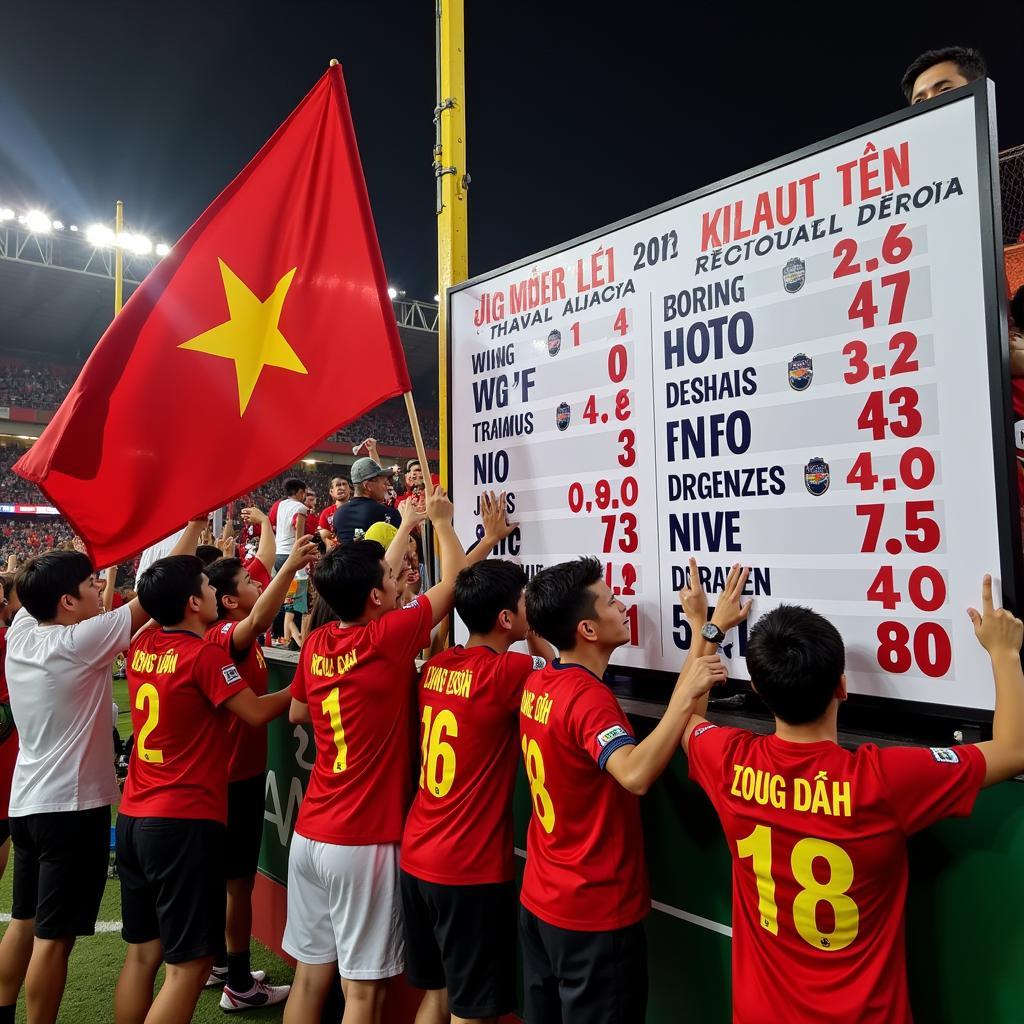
(729, 609)
(413, 510)
(255, 515)
(693, 599)
(705, 673)
(492, 512)
(997, 630)
(439, 507)
(303, 552)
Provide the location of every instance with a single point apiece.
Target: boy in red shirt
(245, 610)
(171, 824)
(818, 833)
(585, 891)
(354, 682)
(458, 869)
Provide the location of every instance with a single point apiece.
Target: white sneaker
(261, 994)
(219, 976)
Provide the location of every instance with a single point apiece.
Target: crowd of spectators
(25, 536)
(33, 384)
(36, 384)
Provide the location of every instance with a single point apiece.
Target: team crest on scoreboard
(562, 416)
(801, 372)
(816, 476)
(554, 343)
(794, 273)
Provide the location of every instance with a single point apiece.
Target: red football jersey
(9, 747)
(818, 839)
(585, 867)
(178, 767)
(359, 684)
(459, 830)
(326, 520)
(247, 745)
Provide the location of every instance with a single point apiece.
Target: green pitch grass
(96, 961)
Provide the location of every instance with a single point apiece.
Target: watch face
(711, 632)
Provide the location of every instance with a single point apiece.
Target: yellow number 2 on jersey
(147, 699)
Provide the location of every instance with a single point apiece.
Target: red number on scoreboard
(896, 246)
(628, 454)
(590, 410)
(845, 250)
(621, 326)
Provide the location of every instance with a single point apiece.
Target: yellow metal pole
(452, 185)
(118, 257)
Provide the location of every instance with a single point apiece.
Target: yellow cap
(383, 533)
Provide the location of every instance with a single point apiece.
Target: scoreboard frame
(648, 682)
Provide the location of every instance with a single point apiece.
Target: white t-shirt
(59, 679)
(161, 549)
(284, 528)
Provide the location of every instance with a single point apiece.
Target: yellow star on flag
(250, 336)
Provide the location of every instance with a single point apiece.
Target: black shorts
(60, 869)
(585, 977)
(5, 830)
(172, 884)
(463, 938)
(246, 800)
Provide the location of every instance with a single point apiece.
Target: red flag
(267, 327)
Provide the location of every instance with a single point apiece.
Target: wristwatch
(712, 633)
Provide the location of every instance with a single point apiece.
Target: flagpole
(417, 440)
(452, 184)
(118, 257)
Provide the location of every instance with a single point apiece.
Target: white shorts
(344, 904)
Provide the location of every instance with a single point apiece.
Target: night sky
(579, 113)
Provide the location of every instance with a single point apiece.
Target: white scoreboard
(799, 369)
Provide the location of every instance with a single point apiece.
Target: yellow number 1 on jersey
(332, 709)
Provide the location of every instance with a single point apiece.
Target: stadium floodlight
(392, 292)
(309, 462)
(99, 235)
(437, 298)
(58, 225)
(162, 248)
(74, 227)
(38, 223)
(140, 245)
(6, 213)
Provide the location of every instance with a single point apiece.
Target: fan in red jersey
(355, 683)
(818, 833)
(585, 891)
(458, 893)
(171, 823)
(244, 611)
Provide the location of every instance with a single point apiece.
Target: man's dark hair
(340, 479)
(796, 658)
(166, 586)
(293, 485)
(208, 553)
(558, 599)
(7, 583)
(320, 612)
(223, 577)
(969, 61)
(483, 591)
(42, 581)
(346, 576)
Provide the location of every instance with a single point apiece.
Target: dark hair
(558, 599)
(42, 581)
(483, 591)
(969, 61)
(796, 658)
(1017, 307)
(223, 577)
(166, 586)
(293, 485)
(7, 582)
(320, 612)
(345, 577)
(208, 553)
(340, 479)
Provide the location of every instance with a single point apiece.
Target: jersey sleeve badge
(945, 756)
(231, 674)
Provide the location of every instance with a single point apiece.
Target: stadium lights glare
(58, 225)
(138, 244)
(6, 213)
(162, 248)
(38, 223)
(99, 235)
(74, 227)
(309, 462)
(437, 298)
(392, 292)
